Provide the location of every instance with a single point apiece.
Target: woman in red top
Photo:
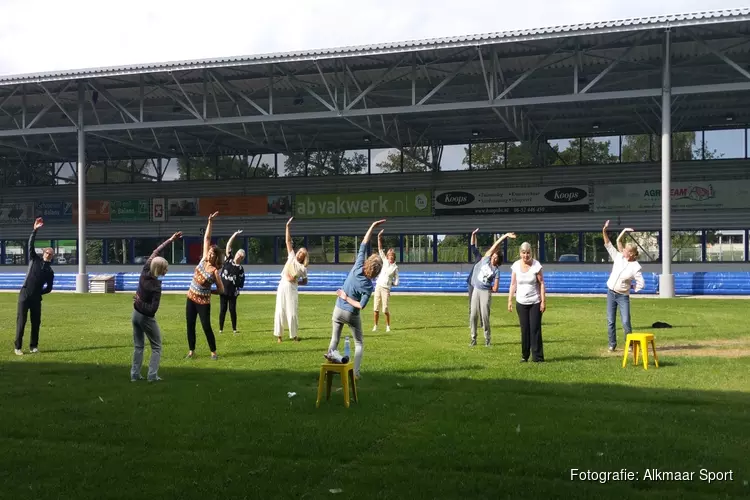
(199, 294)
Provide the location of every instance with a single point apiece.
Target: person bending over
(485, 277)
(39, 281)
(198, 302)
(145, 305)
(353, 297)
(233, 279)
(388, 277)
(476, 256)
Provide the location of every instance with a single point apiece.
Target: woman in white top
(287, 303)
(388, 277)
(527, 284)
(625, 271)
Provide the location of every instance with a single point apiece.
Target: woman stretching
(199, 294)
(145, 304)
(388, 277)
(625, 270)
(287, 295)
(476, 256)
(233, 278)
(485, 278)
(353, 297)
(527, 284)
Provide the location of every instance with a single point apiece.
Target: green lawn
(436, 419)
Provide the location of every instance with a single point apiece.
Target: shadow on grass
(86, 348)
(94, 431)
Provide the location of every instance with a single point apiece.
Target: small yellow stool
(327, 371)
(640, 342)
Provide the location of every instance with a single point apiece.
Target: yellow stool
(327, 371)
(640, 342)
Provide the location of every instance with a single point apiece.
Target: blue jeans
(614, 300)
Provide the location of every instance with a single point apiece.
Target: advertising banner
(708, 195)
(158, 210)
(183, 207)
(363, 205)
(279, 205)
(54, 209)
(11, 213)
(129, 210)
(234, 206)
(538, 199)
(96, 211)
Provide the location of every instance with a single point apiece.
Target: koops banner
(363, 205)
(538, 199)
(709, 195)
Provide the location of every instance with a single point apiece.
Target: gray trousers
(143, 326)
(341, 318)
(481, 301)
(471, 292)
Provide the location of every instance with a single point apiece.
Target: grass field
(436, 419)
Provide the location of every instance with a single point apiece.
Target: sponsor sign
(234, 206)
(54, 209)
(11, 213)
(158, 210)
(279, 205)
(538, 199)
(96, 211)
(363, 205)
(708, 195)
(182, 207)
(129, 210)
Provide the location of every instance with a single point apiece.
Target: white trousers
(286, 315)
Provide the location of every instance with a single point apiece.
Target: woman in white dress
(287, 302)
(527, 284)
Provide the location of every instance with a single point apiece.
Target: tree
(492, 155)
(392, 162)
(198, 168)
(587, 149)
(27, 174)
(639, 148)
(332, 162)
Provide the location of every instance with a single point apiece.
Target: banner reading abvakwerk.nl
(363, 205)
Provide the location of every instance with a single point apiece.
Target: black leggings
(530, 318)
(192, 312)
(230, 301)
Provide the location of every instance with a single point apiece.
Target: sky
(45, 35)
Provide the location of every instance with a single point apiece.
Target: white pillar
(666, 278)
(82, 280)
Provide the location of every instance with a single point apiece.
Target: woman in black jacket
(233, 278)
(145, 304)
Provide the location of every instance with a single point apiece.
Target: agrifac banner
(521, 200)
(709, 195)
(363, 205)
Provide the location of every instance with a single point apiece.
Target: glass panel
(94, 252)
(15, 252)
(348, 248)
(418, 248)
(724, 144)
(321, 249)
(725, 246)
(260, 250)
(118, 251)
(385, 161)
(567, 152)
(686, 246)
(455, 157)
(561, 247)
(453, 247)
(487, 155)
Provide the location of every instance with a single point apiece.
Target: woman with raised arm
(233, 279)
(145, 304)
(206, 274)
(388, 277)
(476, 256)
(287, 295)
(527, 284)
(626, 273)
(485, 278)
(353, 297)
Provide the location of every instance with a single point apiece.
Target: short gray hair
(159, 266)
(240, 256)
(525, 246)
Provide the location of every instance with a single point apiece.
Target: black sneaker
(472, 343)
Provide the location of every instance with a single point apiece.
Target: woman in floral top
(199, 294)
(233, 278)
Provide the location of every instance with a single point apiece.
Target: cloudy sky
(47, 35)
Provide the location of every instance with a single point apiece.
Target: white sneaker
(375, 328)
(35, 350)
(387, 328)
(18, 352)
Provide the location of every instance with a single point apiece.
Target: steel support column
(666, 278)
(82, 280)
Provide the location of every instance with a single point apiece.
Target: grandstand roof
(591, 79)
